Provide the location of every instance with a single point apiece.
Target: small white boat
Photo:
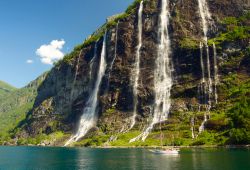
(166, 152)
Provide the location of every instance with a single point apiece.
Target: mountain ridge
(15, 106)
(5, 88)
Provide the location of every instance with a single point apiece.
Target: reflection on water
(25, 158)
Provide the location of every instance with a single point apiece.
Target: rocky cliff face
(64, 93)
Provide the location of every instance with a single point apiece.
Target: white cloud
(29, 61)
(50, 53)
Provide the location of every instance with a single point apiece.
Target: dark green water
(29, 158)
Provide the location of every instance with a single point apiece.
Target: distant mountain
(15, 104)
(5, 89)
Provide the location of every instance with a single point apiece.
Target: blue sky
(26, 25)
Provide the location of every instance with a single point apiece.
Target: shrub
(219, 124)
(131, 8)
(189, 43)
(198, 142)
(235, 30)
(239, 136)
(178, 142)
(239, 114)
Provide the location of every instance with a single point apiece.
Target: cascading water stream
(88, 119)
(202, 86)
(115, 53)
(202, 127)
(136, 72)
(206, 84)
(192, 127)
(162, 75)
(202, 63)
(92, 61)
(74, 81)
(216, 77)
(210, 89)
(205, 16)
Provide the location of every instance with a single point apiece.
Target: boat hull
(165, 152)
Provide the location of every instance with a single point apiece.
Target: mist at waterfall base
(25, 158)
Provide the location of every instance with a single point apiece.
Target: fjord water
(29, 158)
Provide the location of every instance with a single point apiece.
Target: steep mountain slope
(15, 105)
(207, 43)
(5, 89)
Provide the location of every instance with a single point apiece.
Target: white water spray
(89, 117)
(162, 75)
(136, 72)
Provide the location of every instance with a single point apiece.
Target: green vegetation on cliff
(15, 106)
(236, 29)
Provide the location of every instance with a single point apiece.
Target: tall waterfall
(136, 72)
(162, 75)
(89, 117)
(206, 83)
(216, 78)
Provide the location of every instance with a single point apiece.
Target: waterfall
(202, 127)
(88, 118)
(210, 89)
(202, 86)
(115, 53)
(136, 72)
(192, 127)
(162, 74)
(206, 84)
(205, 16)
(216, 77)
(202, 63)
(92, 61)
(74, 81)
(206, 117)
